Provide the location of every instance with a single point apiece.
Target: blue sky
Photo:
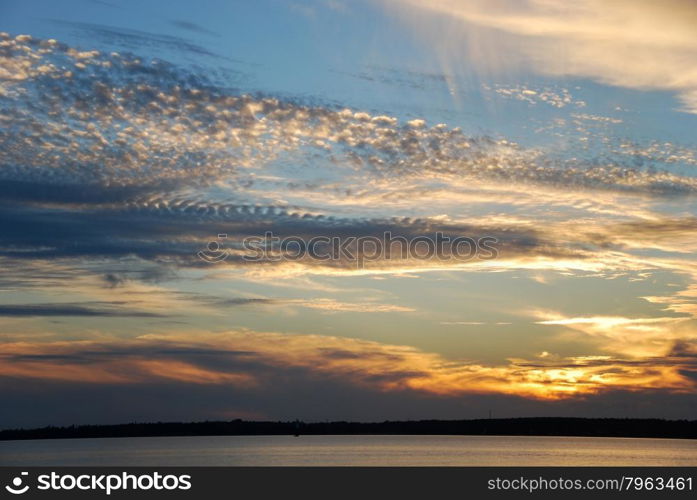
(134, 133)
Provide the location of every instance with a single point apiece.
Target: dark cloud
(684, 349)
(37, 191)
(682, 358)
(114, 280)
(176, 233)
(102, 309)
(206, 357)
(239, 301)
(405, 78)
(189, 26)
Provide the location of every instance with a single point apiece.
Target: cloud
(558, 98)
(628, 43)
(68, 309)
(116, 170)
(126, 156)
(322, 304)
(135, 39)
(636, 337)
(174, 232)
(246, 357)
(333, 306)
(401, 78)
(120, 128)
(193, 27)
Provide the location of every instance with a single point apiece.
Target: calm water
(350, 450)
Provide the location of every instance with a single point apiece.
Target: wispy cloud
(634, 44)
(193, 27)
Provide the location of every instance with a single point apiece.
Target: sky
(143, 143)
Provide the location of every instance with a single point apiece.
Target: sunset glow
(139, 154)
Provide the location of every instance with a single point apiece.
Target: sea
(359, 450)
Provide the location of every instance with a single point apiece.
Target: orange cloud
(247, 359)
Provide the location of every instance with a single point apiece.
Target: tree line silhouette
(543, 426)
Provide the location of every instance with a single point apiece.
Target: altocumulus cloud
(117, 169)
(116, 155)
